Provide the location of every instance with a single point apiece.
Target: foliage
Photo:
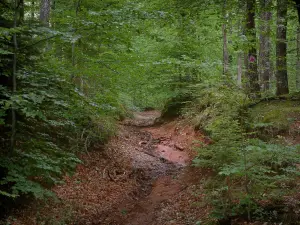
(274, 117)
(248, 171)
(94, 62)
(55, 120)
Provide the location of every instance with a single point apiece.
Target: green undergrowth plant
(271, 118)
(56, 122)
(249, 172)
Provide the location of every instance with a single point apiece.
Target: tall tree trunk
(45, 11)
(74, 42)
(14, 75)
(265, 44)
(225, 48)
(242, 58)
(246, 65)
(225, 51)
(282, 86)
(73, 54)
(297, 2)
(252, 73)
(21, 11)
(32, 11)
(240, 69)
(298, 59)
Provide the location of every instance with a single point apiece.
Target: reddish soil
(142, 177)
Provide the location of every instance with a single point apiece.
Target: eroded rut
(141, 177)
(158, 157)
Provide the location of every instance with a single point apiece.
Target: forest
(94, 94)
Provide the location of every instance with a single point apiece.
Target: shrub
(248, 172)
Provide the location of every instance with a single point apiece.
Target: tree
(19, 10)
(297, 2)
(282, 86)
(252, 72)
(225, 48)
(242, 58)
(45, 11)
(265, 44)
(298, 59)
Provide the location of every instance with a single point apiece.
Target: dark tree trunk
(298, 60)
(19, 11)
(32, 11)
(240, 69)
(297, 2)
(265, 44)
(252, 73)
(225, 51)
(281, 49)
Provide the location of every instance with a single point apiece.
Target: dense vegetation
(70, 69)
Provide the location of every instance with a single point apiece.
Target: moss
(275, 116)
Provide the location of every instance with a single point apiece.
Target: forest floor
(143, 176)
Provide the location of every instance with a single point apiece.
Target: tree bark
(298, 60)
(297, 2)
(225, 51)
(74, 42)
(265, 44)
(252, 73)
(240, 69)
(45, 11)
(282, 86)
(14, 77)
(225, 48)
(21, 12)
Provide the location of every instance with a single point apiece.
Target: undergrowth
(250, 174)
(56, 122)
(272, 118)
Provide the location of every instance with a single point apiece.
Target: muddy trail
(142, 177)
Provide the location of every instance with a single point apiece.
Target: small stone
(142, 142)
(179, 147)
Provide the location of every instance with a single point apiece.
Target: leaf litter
(143, 176)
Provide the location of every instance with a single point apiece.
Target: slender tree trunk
(45, 11)
(281, 49)
(73, 59)
(21, 11)
(225, 48)
(225, 51)
(298, 9)
(14, 79)
(242, 58)
(240, 69)
(298, 59)
(32, 10)
(252, 73)
(246, 64)
(265, 44)
(74, 42)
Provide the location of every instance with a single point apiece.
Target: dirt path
(142, 178)
(162, 155)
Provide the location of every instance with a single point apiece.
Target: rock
(142, 143)
(179, 147)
